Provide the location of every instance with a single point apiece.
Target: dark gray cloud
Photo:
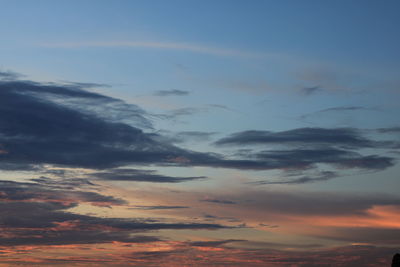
(263, 244)
(219, 106)
(172, 92)
(304, 158)
(209, 217)
(160, 207)
(312, 146)
(188, 111)
(36, 118)
(74, 237)
(372, 162)
(344, 108)
(345, 137)
(141, 176)
(323, 176)
(35, 214)
(389, 130)
(9, 75)
(84, 85)
(155, 256)
(67, 125)
(218, 201)
(33, 223)
(336, 109)
(59, 121)
(64, 183)
(216, 243)
(268, 225)
(309, 148)
(309, 159)
(45, 190)
(65, 136)
(16, 166)
(311, 90)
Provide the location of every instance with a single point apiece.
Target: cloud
(171, 253)
(69, 127)
(344, 256)
(158, 207)
(48, 192)
(382, 236)
(326, 79)
(310, 147)
(336, 109)
(337, 143)
(141, 176)
(345, 137)
(189, 47)
(216, 243)
(172, 92)
(39, 215)
(175, 113)
(64, 182)
(372, 162)
(304, 203)
(83, 85)
(323, 176)
(183, 136)
(389, 130)
(194, 135)
(219, 106)
(305, 158)
(33, 220)
(61, 122)
(218, 201)
(9, 75)
(311, 90)
(345, 108)
(34, 223)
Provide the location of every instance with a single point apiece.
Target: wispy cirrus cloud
(178, 46)
(172, 92)
(218, 201)
(136, 175)
(334, 110)
(303, 179)
(159, 207)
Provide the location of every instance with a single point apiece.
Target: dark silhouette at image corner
(396, 260)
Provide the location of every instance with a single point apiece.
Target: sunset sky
(199, 133)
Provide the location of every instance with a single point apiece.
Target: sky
(199, 133)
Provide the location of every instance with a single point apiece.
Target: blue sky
(306, 93)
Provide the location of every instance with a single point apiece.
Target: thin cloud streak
(181, 46)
